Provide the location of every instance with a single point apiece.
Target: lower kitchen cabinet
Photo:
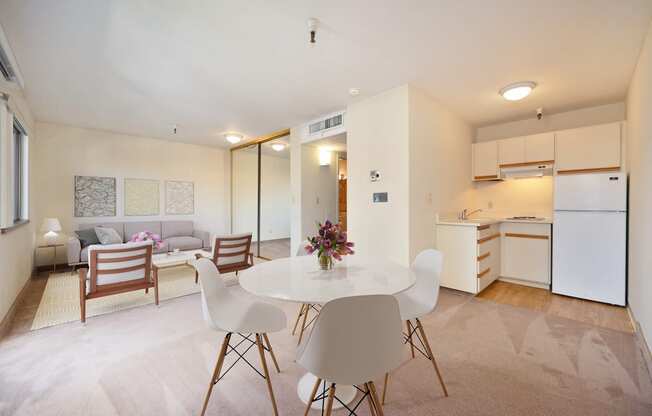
(526, 252)
(477, 255)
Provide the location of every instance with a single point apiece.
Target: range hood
(525, 170)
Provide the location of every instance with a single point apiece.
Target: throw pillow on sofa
(87, 237)
(107, 235)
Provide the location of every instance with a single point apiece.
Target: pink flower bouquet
(330, 243)
(147, 236)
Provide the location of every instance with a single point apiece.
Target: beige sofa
(180, 235)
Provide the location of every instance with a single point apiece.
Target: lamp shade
(51, 224)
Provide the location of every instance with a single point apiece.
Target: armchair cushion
(184, 243)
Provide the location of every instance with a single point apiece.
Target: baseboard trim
(5, 325)
(642, 342)
(525, 283)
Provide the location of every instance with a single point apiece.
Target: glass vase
(325, 262)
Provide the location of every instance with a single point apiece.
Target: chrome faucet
(465, 214)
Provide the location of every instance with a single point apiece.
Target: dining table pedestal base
(345, 393)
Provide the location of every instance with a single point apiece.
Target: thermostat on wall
(374, 175)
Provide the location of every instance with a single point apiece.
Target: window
(20, 173)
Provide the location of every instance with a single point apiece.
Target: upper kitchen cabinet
(540, 148)
(485, 161)
(586, 149)
(511, 151)
(536, 148)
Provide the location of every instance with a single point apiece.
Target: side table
(53, 246)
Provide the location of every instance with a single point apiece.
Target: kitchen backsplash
(527, 196)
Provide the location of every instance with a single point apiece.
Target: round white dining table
(300, 280)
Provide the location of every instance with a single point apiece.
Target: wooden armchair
(116, 268)
(232, 253)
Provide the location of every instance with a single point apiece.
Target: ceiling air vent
(325, 124)
(5, 67)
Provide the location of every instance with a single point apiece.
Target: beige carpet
(496, 360)
(60, 301)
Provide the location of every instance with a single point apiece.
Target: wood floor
(594, 313)
(274, 249)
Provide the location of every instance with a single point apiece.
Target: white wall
(639, 128)
(440, 166)
(567, 120)
(275, 195)
(318, 190)
(378, 139)
(61, 152)
(16, 246)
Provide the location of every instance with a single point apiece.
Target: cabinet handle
(482, 273)
(484, 227)
(486, 177)
(534, 236)
(484, 256)
(591, 170)
(491, 237)
(515, 165)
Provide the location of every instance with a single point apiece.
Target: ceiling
(139, 67)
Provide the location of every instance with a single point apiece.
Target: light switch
(380, 197)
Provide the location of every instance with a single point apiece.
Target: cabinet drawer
(485, 261)
(485, 231)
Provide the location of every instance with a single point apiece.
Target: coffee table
(181, 258)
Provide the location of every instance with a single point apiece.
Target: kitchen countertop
(477, 222)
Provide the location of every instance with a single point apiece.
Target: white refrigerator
(589, 254)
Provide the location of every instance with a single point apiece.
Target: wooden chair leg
(271, 352)
(261, 352)
(372, 407)
(306, 311)
(216, 371)
(312, 396)
(146, 290)
(156, 286)
(409, 329)
(82, 295)
(329, 403)
(385, 388)
(196, 277)
(374, 396)
(294, 330)
(431, 356)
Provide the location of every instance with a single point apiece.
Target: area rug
(60, 301)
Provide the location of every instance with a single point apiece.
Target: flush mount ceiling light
(517, 91)
(233, 138)
(354, 91)
(278, 146)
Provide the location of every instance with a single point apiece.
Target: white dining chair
(241, 315)
(354, 341)
(418, 301)
(305, 308)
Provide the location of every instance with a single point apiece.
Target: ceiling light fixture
(233, 138)
(312, 29)
(354, 91)
(278, 146)
(517, 91)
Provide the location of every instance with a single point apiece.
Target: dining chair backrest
(427, 266)
(355, 340)
(124, 263)
(231, 249)
(218, 305)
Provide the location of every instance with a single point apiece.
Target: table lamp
(51, 226)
